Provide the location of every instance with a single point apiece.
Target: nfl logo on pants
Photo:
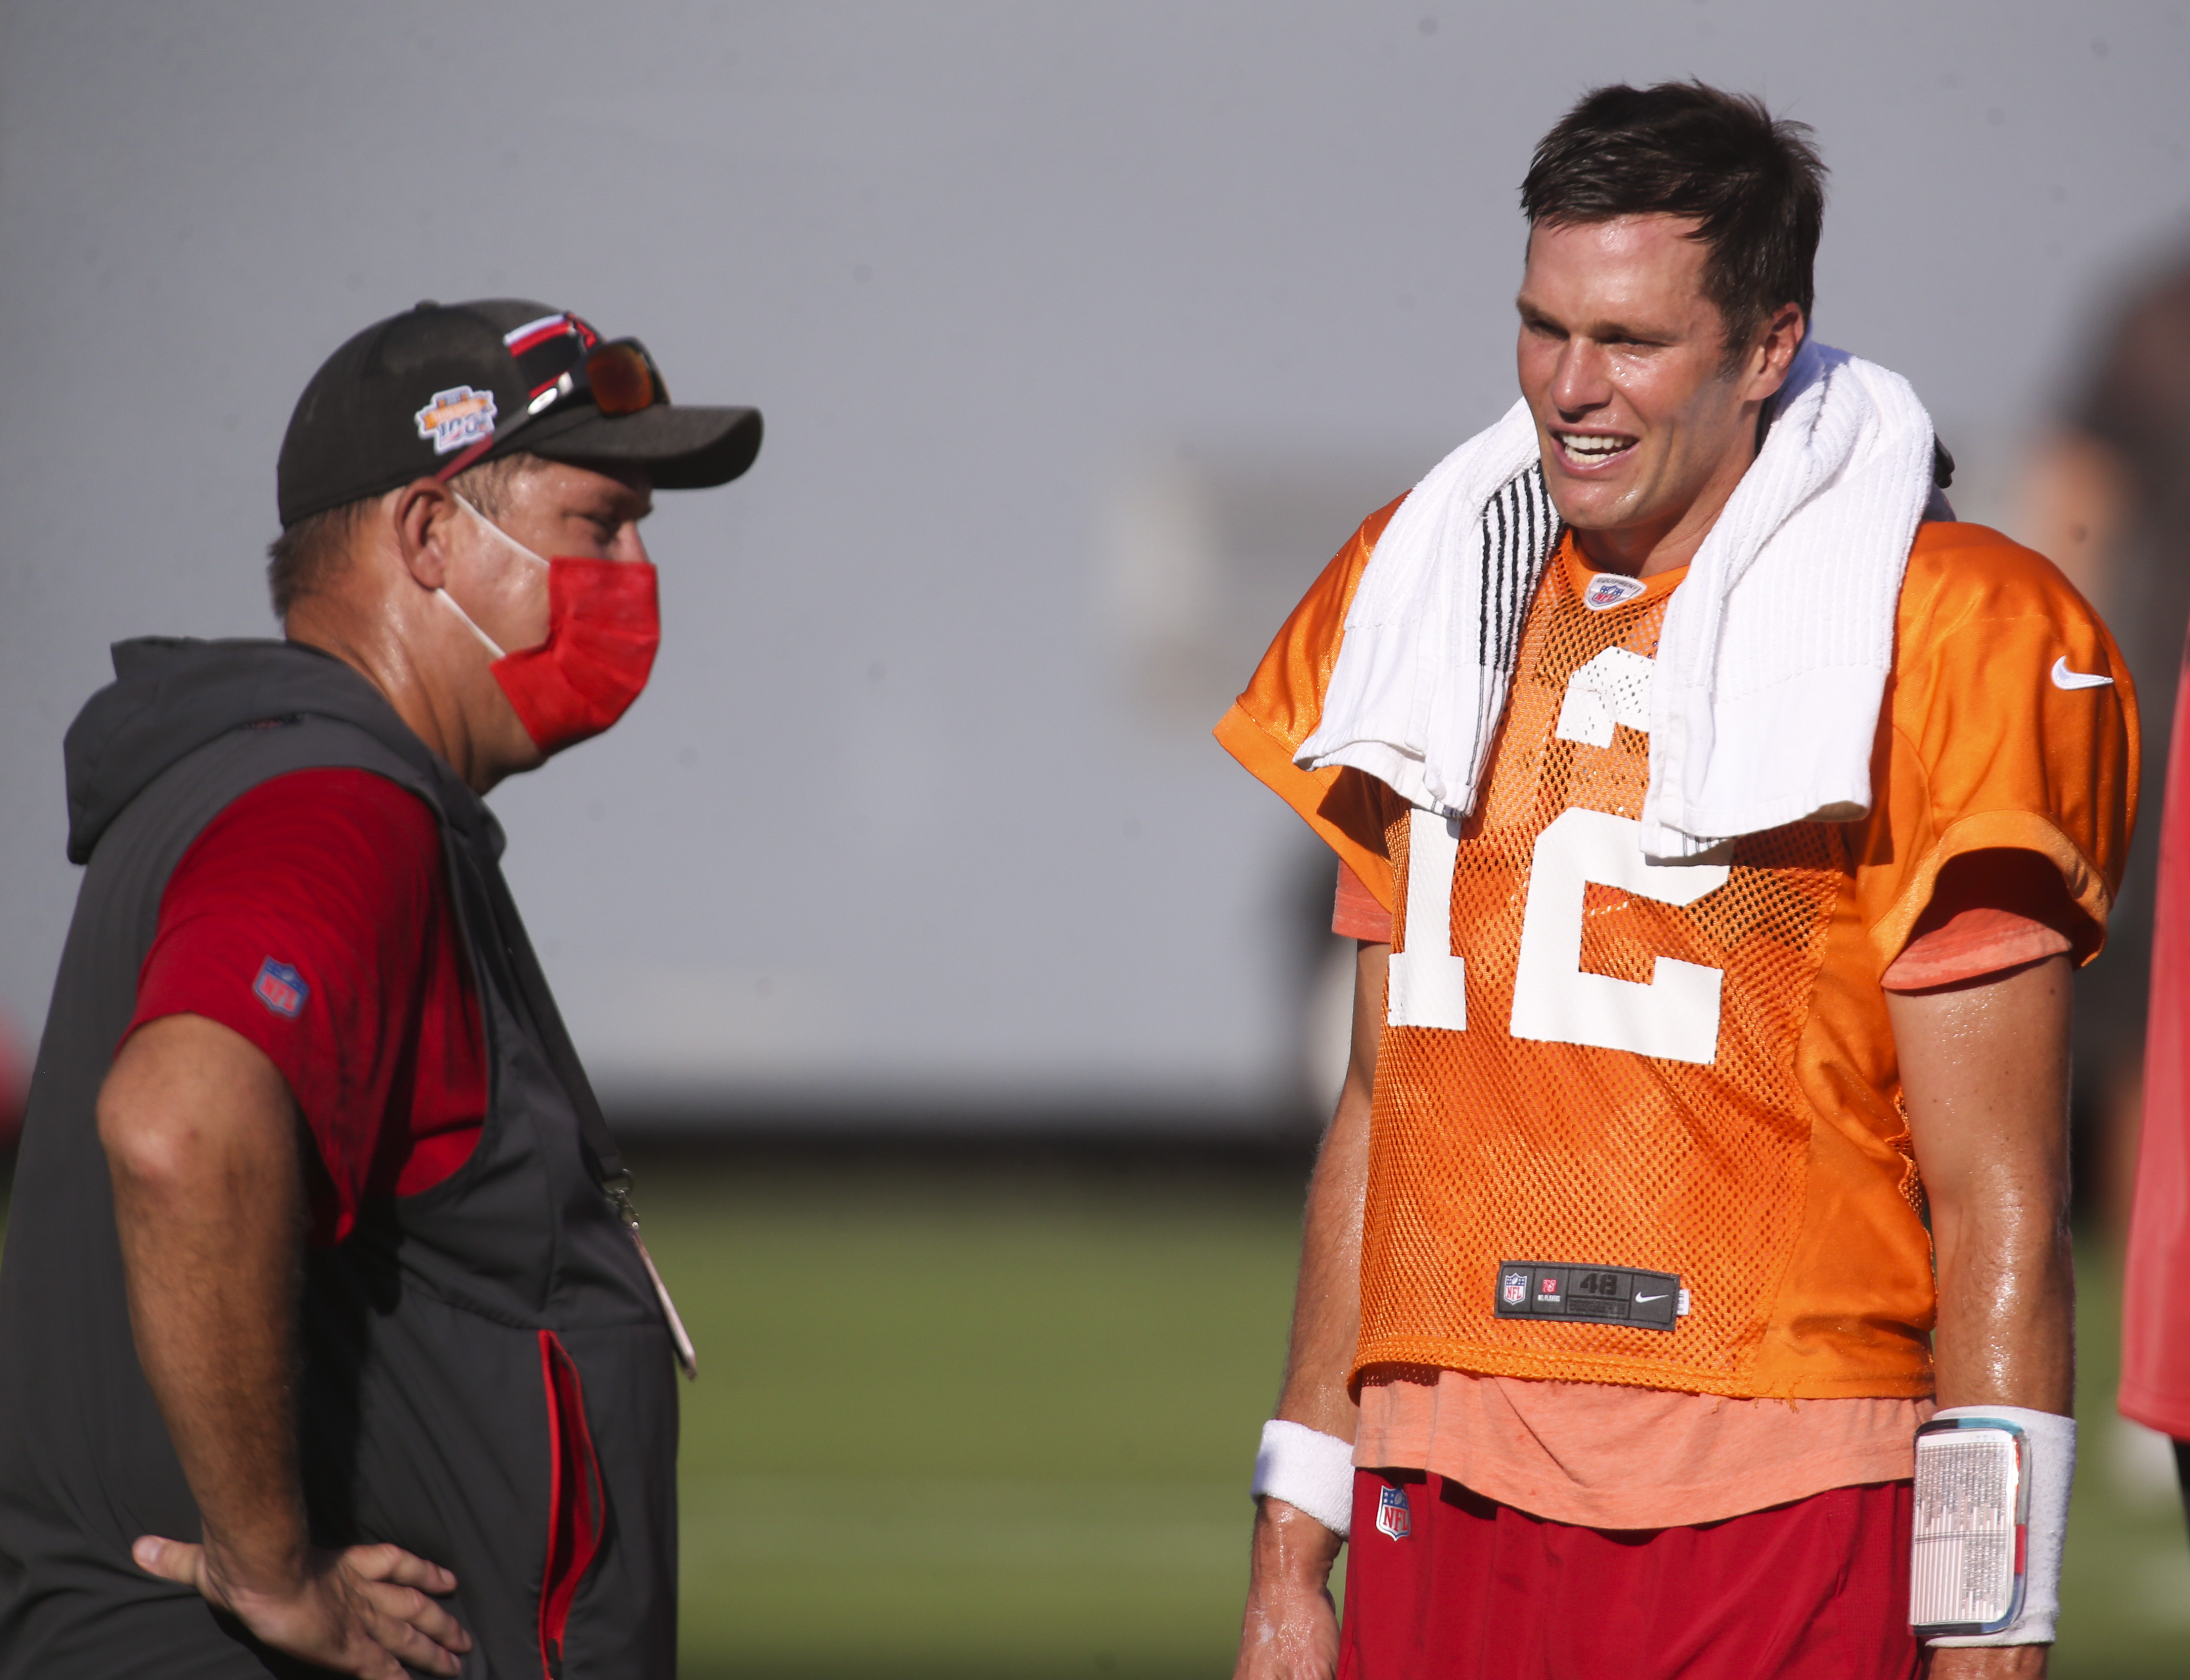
(1393, 1516)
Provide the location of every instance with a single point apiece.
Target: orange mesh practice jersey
(1591, 1060)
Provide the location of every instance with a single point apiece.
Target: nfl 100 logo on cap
(1392, 1516)
(281, 988)
(456, 417)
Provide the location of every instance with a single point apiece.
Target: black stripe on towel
(1520, 530)
(1500, 604)
(1482, 602)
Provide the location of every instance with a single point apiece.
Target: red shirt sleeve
(1991, 910)
(1354, 913)
(313, 917)
(2155, 1367)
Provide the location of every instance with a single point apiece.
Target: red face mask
(604, 626)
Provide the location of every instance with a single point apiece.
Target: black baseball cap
(404, 397)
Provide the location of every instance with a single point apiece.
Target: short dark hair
(308, 557)
(1754, 183)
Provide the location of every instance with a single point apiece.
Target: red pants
(1452, 1586)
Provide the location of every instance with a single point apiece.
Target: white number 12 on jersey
(1675, 1016)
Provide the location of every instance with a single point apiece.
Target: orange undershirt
(1605, 1456)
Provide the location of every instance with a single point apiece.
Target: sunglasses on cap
(617, 377)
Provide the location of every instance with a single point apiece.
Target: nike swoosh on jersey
(1650, 1297)
(2063, 678)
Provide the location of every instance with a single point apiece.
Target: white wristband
(2052, 1467)
(1306, 1467)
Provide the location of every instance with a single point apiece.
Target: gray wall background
(1084, 333)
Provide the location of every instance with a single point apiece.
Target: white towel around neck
(1773, 658)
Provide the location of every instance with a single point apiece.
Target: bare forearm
(202, 1148)
(1327, 1300)
(214, 1317)
(1290, 1630)
(2007, 1326)
(1985, 1074)
(203, 1142)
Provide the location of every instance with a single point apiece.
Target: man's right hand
(363, 1611)
(1290, 1630)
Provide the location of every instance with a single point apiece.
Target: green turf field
(971, 1423)
(982, 1424)
(979, 1423)
(2125, 1588)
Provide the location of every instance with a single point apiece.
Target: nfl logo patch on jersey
(281, 988)
(1393, 1516)
(1610, 589)
(1513, 1288)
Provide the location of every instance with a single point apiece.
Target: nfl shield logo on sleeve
(1393, 1516)
(281, 988)
(1513, 1288)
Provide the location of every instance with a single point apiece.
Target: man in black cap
(326, 1335)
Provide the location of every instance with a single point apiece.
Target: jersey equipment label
(1529, 1289)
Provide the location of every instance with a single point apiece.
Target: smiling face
(1644, 428)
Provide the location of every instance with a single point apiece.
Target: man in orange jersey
(1720, 822)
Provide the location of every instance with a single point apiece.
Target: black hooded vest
(476, 1357)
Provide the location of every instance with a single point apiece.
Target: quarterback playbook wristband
(1991, 1513)
(1308, 1468)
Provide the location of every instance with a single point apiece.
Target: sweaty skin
(1291, 1628)
(1984, 1074)
(381, 616)
(202, 1136)
(1619, 343)
(1620, 347)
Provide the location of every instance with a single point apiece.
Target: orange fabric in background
(1989, 911)
(1610, 1458)
(1518, 1140)
(1280, 707)
(1354, 912)
(1604, 1456)
(1993, 911)
(1826, 1287)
